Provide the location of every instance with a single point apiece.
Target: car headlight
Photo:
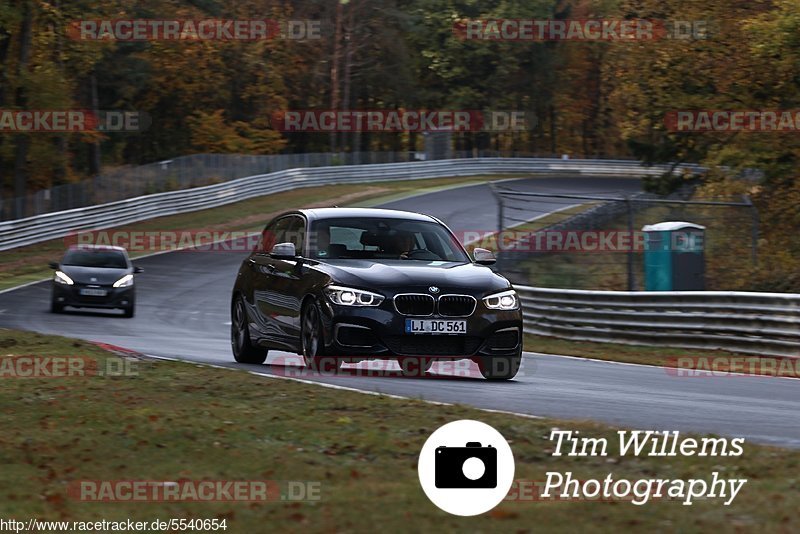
(506, 300)
(125, 281)
(61, 278)
(347, 296)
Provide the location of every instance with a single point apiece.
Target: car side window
(275, 233)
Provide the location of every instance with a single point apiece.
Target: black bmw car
(90, 276)
(351, 284)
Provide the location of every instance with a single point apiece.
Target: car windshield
(108, 259)
(383, 239)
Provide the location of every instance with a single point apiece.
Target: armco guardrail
(31, 230)
(751, 323)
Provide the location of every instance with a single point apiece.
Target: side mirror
(53, 265)
(284, 251)
(484, 256)
(137, 270)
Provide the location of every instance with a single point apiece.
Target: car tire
(500, 367)
(128, 311)
(312, 342)
(242, 347)
(414, 367)
(55, 307)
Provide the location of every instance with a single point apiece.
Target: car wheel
(55, 307)
(243, 350)
(313, 344)
(129, 311)
(500, 367)
(414, 367)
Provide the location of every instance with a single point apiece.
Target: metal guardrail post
(755, 229)
(631, 277)
(500, 216)
(500, 222)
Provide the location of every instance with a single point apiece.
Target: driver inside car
(401, 244)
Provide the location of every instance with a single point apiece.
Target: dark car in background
(352, 284)
(91, 276)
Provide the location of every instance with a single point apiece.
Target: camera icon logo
(466, 467)
(472, 466)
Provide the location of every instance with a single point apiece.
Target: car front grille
(414, 304)
(420, 304)
(456, 305)
(433, 345)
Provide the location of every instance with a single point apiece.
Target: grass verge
(181, 421)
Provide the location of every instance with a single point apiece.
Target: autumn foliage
(592, 99)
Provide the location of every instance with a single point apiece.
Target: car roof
(336, 213)
(96, 247)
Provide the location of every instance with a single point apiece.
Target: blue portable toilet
(674, 256)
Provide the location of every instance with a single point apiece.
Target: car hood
(400, 276)
(84, 275)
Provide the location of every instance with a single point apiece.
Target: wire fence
(597, 242)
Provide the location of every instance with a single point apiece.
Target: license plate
(435, 326)
(90, 292)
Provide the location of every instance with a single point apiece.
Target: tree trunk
(337, 52)
(94, 162)
(60, 172)
(348, 71)
(5, 42)
(22, 141)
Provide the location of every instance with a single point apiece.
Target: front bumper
(116, 297)
(379, 332)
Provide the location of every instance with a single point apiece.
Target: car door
(288, 283)
(266, 298)
(277, 286)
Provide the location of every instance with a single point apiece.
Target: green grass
(28, 264)
(183, 421)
